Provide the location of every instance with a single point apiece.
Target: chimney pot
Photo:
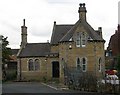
(80, 4)
(23, 22)
(83, 4)
(55, 22)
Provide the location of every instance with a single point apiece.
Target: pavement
(62, 87)
(56, 86)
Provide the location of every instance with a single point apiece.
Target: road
(29, 88)
(23, 87)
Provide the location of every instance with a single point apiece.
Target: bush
(11, 75)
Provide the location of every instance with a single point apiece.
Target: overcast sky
(40, 15)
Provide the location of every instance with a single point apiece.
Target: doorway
(55, 69)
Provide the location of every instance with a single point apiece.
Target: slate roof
(14, 51)
(58, 32)
(82, 23)
(35, 50)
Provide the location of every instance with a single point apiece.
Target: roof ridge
(39, 43)
(64, 24)
(93, 33)
(58, 32)
(88, 27)
(74, 26)
(35, 49)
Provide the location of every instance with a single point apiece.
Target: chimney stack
(100, 31)
(23, 34)
(82, 11)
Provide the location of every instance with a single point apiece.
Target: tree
(6, 52)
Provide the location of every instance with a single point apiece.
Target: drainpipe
(20, 70)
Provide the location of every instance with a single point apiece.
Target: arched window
(30, 65)
(78, 39)
(78, 63)
(33, 65)
(37, 64)
(84, 65)
(99, 65)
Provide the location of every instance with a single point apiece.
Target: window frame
(78, 66)
(100, 64)
(81, 39)
(78, 39)
(29, 67)
(85, 64)
(34, 65)
(38, 65)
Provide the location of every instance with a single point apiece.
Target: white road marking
(50, 86)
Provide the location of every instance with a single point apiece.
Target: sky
(41, 14)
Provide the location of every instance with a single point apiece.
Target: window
(78, 64)
(30, 65)
(99, 65)
(83, 39)
(80, 39)
(37, 65)
(33, 65)
(84, 63)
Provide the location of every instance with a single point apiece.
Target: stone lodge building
(76, 46)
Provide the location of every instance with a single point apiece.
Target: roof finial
(23, 22)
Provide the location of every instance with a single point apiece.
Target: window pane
(78, 39)
(99, 65)
(84, 61)
(83, 39)
(83, 42)
(37, 64)
(78, 66)
(78, 63)
(84, 67)
(84, 64)
(30, 65)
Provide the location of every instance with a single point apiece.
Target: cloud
(61, 1)
(6, 24)
(40, 15)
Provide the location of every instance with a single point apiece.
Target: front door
(55, 69)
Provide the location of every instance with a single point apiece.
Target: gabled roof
(35, 50)
(14, 51)
(82, 23)
(58, 32)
